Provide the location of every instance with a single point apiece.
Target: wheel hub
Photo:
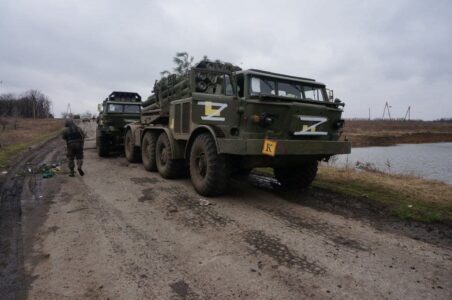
(201, 164)
(164, 156)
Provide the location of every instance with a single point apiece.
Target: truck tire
(209, 171)
(132, 153)
(168, 168)
(102, 147)
(148, 146)
(300, 177)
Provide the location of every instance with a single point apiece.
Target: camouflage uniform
(74, 137)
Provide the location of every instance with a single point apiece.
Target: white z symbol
(311, 130)
(212, 114)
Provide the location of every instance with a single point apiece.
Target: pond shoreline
(360, 141)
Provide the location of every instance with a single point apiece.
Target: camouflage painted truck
(218, 119)
(117, 110)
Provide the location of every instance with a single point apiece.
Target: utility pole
(387, 107)
(68, 111)
(369, 113)
(408, 114)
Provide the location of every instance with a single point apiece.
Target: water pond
(431, 161)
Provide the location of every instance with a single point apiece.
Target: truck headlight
(256, 119)
(265, 119)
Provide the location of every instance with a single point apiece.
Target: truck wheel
(148, 151)
(300, 177)
(102, 148)
(132, 152)
(168, 168)
(209, 171)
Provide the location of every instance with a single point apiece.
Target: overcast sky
(369, 52)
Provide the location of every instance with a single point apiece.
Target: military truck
(117, 110)
(218, 119)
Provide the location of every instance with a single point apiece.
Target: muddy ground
(120, 232)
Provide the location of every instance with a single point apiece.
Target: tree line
(31, 104)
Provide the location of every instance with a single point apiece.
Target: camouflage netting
(177, 86)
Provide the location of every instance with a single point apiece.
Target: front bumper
(284, 147)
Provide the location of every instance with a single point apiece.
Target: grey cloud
(368, 52)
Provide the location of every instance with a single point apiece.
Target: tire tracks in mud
(138, 258)
(202, 218)
(283, 255)
(13, 281)
(319, 228)
(237, 240)
(358, 209)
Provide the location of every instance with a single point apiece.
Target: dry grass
(382, 133)
(387, 126)
(408, 197)
(27, 133)
(27, 130)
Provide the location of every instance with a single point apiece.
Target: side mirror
(338, 102)
(330, 94)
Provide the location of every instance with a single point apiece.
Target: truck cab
(115, 112)
(296, 113)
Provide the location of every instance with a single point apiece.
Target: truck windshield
(296, 90)
(124, 108)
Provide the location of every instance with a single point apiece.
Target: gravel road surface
(120, 232)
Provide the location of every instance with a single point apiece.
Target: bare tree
(3, 123)
(31, 104)
(15, 115)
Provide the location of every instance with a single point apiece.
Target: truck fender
(200, 129)
(178, 149)
(135, 133)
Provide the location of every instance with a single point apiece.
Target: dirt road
(120, 232)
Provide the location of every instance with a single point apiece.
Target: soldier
(74, 137)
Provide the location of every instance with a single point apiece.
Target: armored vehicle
(218, 119)
(117, 110)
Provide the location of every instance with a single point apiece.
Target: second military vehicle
(218, 119)
(117, 110)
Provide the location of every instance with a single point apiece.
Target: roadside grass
(27, 133)
(406, 197)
